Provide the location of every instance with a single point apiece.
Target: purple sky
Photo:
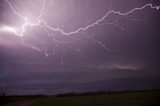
(120, 52)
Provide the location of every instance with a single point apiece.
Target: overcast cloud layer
(80, 62)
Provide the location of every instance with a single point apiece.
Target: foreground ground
(149, 98)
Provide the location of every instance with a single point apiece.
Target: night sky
(120, 52)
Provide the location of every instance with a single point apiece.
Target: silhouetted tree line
(89, 93)
(82, 94)
(101, 92)
(2, 93)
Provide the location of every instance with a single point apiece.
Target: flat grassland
(147, 98)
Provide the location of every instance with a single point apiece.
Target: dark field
(147, 98)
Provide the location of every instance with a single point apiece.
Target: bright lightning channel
(8, 29)
(46, 25)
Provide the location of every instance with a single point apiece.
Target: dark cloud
(123, 55)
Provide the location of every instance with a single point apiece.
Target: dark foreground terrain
(145, 98)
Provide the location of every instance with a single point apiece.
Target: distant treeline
(89, 93)
(101, 92)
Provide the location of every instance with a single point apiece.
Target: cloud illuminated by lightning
(46, 25)
(40, 22)
(8, 29)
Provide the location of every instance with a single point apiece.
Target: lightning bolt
(41, 22)
(98, 21)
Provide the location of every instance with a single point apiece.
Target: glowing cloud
(8, 29)
(41, 22)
